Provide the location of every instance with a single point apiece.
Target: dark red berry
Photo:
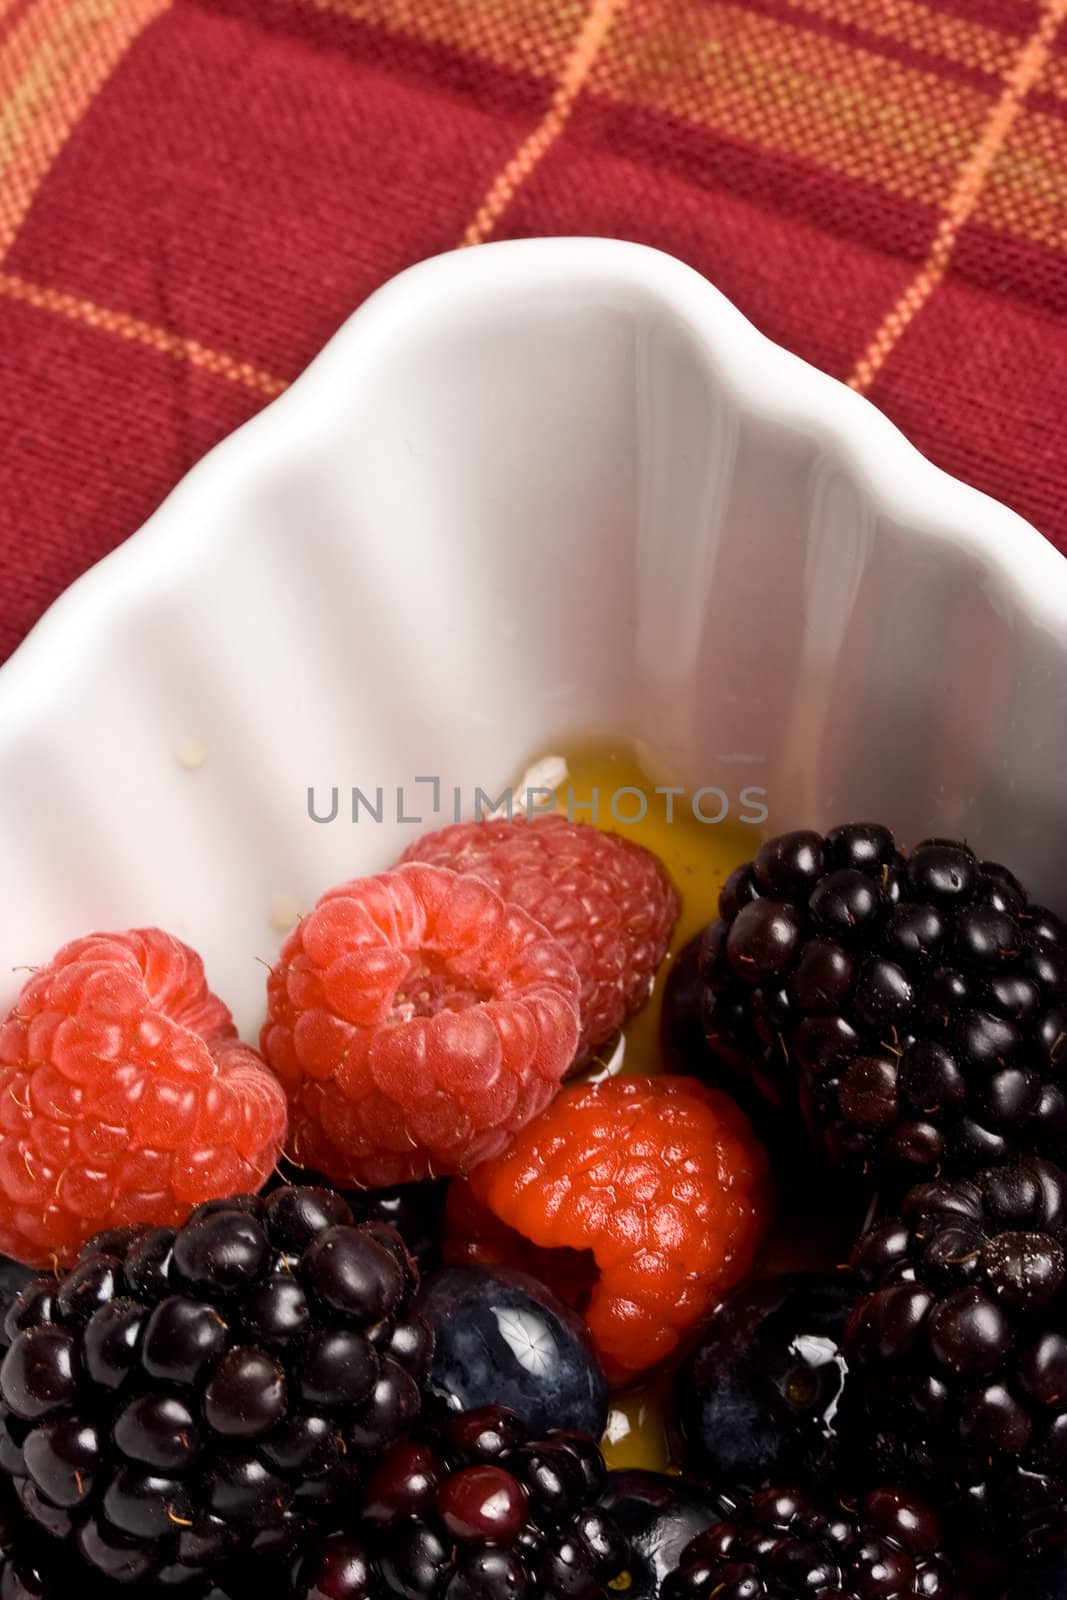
(942, 871)
(479, 1511)
(486, 1434)
(864, 846)
(485, 1502)
(181, 1338)
(222, 1252)
(339, 1568)
(338, 1368)
(738, 891)
(296, 1215)
(89, 1285)
(61, 1457)
(822, 978)
(404, 1483)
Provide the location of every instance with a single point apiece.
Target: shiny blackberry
(183, 1396)
(958, 1349)
(915, 1005)
(415, 1210)
(783, 1544)
(477, 1509)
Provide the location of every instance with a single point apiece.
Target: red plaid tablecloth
(194, 193)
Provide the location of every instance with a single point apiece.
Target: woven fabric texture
(195, 193)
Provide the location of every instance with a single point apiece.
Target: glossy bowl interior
(528, 491)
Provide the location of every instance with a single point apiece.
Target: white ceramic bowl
(529, 490)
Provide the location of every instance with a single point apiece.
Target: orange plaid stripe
(123, 326)
(54, 61)
(964, 201)
(942, 37)
(781, 87)
(576, 70)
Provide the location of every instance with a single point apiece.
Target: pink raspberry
(607, 900)
(416, 1022)
(125, 1096)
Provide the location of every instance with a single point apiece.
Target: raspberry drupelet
(605, 898)
(661, 1180)
(125, 1096)
(416, 1022)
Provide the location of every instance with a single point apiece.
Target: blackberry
(782, 1544)
(958, 1351)
(415, 1210)
(184, 1396)
(476, 1510)
(915, 1004)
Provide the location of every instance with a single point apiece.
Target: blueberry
(503, 1339)
(659, 1516)
(757, 1400)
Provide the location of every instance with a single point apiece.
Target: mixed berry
(354, 1317)
(913, 1004)
(785, 1543)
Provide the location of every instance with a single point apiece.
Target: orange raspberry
(661, 1180)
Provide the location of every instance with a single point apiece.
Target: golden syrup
(637, 1434)
(813, 1230)
(698, 856)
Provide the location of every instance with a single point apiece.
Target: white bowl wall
(528, 491)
